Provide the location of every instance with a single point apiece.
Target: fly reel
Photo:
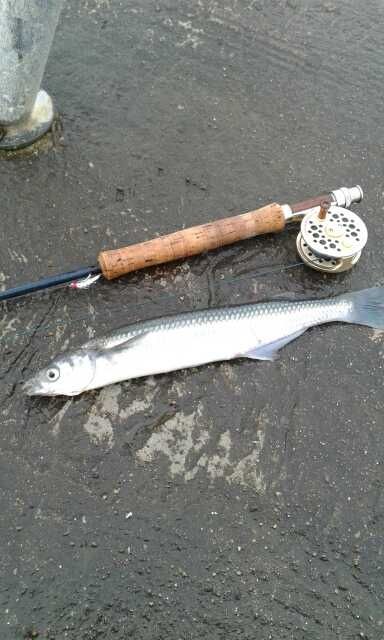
(331, 239)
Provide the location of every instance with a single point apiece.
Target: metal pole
(27, 28)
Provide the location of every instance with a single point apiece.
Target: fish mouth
(34, 388)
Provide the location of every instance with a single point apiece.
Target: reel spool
(331, 240)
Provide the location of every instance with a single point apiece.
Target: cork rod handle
(190, 242)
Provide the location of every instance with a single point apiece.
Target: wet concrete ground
(240, 500)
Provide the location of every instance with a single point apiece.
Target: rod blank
(48, 283)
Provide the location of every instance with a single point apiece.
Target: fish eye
(53, 374)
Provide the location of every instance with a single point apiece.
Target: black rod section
(47, 283)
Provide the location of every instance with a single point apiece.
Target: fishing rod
(331, 239)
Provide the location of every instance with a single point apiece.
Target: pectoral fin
(104, 347)
(270, 350)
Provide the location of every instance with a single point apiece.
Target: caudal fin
(367, 307)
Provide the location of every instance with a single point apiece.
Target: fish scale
(314, 310)
(257, 331)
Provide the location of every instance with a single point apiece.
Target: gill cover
(69, 374)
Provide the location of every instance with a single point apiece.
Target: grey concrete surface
(240, 500)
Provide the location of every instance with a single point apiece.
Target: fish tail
(366, 307)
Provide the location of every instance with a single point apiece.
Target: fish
(254, 330)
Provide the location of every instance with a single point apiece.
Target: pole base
(24, 133)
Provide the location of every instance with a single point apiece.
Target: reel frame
(331, 237)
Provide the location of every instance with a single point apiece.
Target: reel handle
(192, 241)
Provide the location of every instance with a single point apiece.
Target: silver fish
(254, 331)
